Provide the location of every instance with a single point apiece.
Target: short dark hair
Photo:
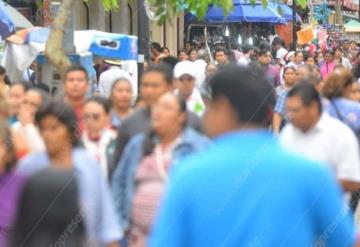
(330, 51)
(307, 93)
(248, 91)
(156, 46)
(278, 41)
(171, 61)
(182, 51)
(246, 48)
(163, 69)
(221, 49)
(263, 52)
(164, 48)
(191, 50)
(104, 103)
(6, 78)
(77, 67)
(56, 194)
(25, 86)
(62, 112)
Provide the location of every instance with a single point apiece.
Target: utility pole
(294, 25)
(46, 13)
(338, 13)
(143, 37)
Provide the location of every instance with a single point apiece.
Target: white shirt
(244, 60)
(281, 53)
(108, 78)
(195, 103)
(32, 136)
(330, 142)
(98, 149)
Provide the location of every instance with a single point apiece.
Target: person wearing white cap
(185, 77)
(108, 78)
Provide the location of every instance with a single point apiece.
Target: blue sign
(115, 46)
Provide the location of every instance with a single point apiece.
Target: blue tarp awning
(7, 26)
(243, 11)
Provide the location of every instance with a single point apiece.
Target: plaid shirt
(281, 103)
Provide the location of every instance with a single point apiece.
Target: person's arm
(109, 229)
(347, 160)
(349, 186)
(276, 122)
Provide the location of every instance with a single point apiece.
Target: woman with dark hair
(192, 55)
(120, 98)
(338, 89)
(16, 99)
(48, 213)
(142, 173)
(340, 59)
(4, 81)
(328, 66)
(98, 138)
(319, 58)
(11, 183)
(58, 127)
(25, 126)
(279, 116)
(165, 51)
(298, 60)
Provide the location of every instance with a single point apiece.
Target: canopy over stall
(352, 27)
(244, 11)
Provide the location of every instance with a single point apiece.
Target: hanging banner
(285, 32)
(305, 35)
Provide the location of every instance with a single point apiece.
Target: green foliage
(108, 4)
(302, 3)
(165, 8)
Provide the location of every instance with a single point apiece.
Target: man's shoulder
(32, 163)
(335, 128)
(140, 118)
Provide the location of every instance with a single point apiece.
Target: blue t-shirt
(347, 111)
(247, 191)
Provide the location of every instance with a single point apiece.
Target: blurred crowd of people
(259, 147)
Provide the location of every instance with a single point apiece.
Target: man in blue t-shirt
(246, 190)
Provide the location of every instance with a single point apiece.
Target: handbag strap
(337, 111)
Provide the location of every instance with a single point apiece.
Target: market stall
(245, 23)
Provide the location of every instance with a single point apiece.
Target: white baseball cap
(184, 68)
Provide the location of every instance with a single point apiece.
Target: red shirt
(79, 111)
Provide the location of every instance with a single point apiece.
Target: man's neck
(312, 125)
(75, 102)
(62, 159)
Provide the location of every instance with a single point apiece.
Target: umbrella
(15, 16)
(7, 26)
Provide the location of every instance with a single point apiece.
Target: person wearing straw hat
(108, 77)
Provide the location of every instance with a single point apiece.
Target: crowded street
(238, 134)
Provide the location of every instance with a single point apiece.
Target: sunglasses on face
(94, 116)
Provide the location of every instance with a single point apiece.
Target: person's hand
(25, 116)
